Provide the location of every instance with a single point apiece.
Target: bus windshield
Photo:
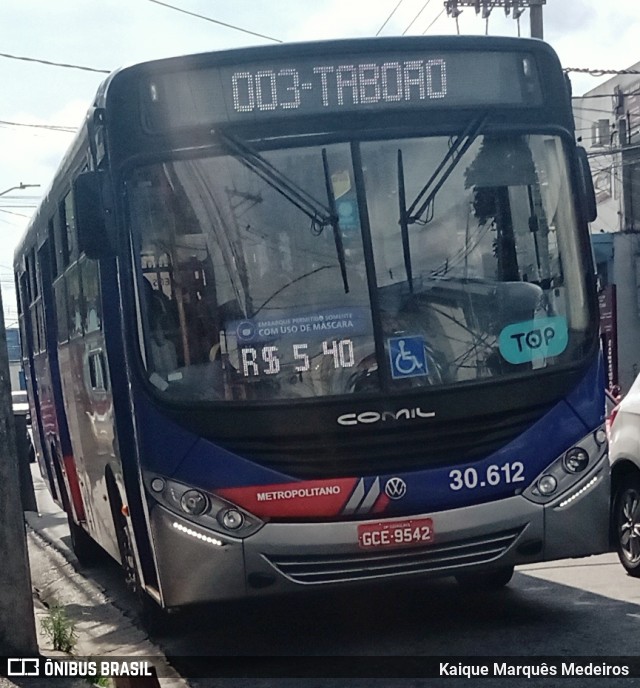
(412, 262)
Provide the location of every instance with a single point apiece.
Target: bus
(311, 315)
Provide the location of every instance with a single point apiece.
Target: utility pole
(535, 18)
(17, 623)
(485, 7)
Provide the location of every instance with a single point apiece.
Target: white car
(624, 455)
(20, 403)
(20, 406)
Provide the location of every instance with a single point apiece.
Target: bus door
(31, 380)
(53, 420)
(89, 398)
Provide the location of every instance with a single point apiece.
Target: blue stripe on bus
(175, 452)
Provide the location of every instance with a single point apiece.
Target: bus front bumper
(199, 565)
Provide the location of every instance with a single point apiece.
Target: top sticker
(533, 340)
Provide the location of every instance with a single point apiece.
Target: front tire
(494, 579)
(626, 519)
(151, 615)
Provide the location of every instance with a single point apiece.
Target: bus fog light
(231, 519)
(157, 484)
(600, 436)
(194, 502)
(547, 484)
(575, 460)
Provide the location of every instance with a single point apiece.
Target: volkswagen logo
(396, 488)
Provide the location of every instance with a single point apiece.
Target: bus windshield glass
(357, 267)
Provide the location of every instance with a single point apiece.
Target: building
(15, 359)
(608, 126)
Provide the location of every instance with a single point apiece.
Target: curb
(102, 629)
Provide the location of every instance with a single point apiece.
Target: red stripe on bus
(74, 486)
(306, 499)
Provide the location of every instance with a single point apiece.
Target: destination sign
(350, 83)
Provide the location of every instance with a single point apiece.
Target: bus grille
(379, 449)
(315, 570)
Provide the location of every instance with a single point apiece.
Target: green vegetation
(60, 629)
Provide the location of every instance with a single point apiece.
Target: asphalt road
(567, 608)
(561, 610)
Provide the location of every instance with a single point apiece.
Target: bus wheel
(486, 580)
(87, 551)
(626, 519)
(150, 614)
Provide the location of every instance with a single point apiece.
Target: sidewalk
(102, 629)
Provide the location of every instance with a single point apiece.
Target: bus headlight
(202, 507)
(194, 503)
(231, 519)
(568, 469)
(547, 485)
(576, 460)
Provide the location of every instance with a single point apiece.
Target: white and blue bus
(311, 315)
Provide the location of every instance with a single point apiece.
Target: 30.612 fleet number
(470, 478)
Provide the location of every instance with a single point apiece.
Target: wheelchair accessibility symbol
(407, 357)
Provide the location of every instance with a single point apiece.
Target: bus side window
(97, 371)
(24, 301)
(59, 249)
(68, 230)
(34, 276)
(60, 290)
(74, 302)
(35, 306)
(34, 328)
(42, 337)
(91, 293)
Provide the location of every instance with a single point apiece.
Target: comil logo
(534, 339)
(369, 417)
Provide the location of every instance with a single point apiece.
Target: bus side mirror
(94, 215)
(587, 192)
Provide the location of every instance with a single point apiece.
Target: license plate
(387, 534)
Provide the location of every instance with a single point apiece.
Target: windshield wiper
(446, 166)
(404, 223)
(321, 215)
(440, 175)
(335, 222)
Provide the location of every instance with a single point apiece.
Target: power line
(434, 21)
(8, 212)
(611, 151)
(601, 72)
(216, 21)
(54, 64)
(386, 21)
(416, 17)
(51, 127)
(588, 109)
(597, 95)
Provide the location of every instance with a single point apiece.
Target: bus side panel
(69, 458)
(39, 386)
(91, 434)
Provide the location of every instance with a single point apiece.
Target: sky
(104, 35)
